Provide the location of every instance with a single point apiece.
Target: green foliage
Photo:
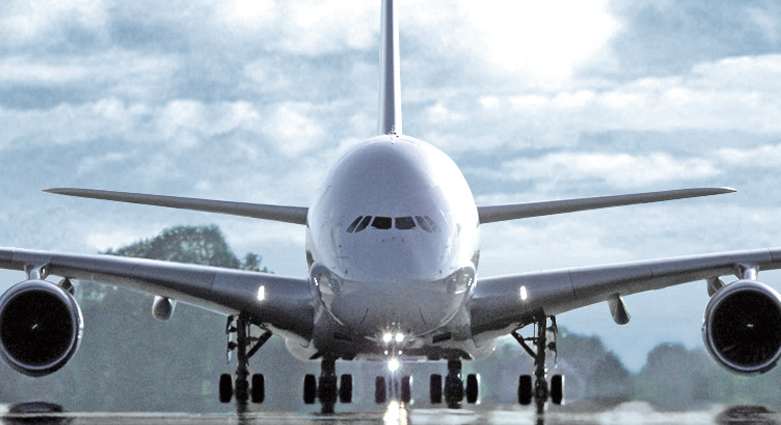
(203, 245)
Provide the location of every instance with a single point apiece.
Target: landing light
(387, 337)
(524, 295)
(262, 293)
(399, 337)
(393, 364)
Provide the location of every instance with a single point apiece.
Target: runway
(627, 413)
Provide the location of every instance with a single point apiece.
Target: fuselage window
(364, 223)
(354, 224)
(405, 223)
(382, 223)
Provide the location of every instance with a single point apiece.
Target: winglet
(389, 119)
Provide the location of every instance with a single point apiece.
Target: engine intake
(742, 328)
(40, 327)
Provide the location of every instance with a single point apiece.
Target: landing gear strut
(540, 391)
(246, 346)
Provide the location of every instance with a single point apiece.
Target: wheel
(380, 390)
(310, 389)
(258, 388)
(472, 388)
(346, 389)
(406, 389)
(557, 389)
(327, 389)
(454, 391)
(241, 389)
(226, 388)
(435, 388)
(525, 390)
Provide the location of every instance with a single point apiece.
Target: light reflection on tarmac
(396, 414)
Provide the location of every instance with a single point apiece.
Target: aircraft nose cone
(416, 306)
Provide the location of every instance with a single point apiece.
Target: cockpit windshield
(425, 223)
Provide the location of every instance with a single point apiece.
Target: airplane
(392, 249)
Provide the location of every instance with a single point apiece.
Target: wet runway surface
(627, 413)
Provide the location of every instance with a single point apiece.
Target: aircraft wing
(494, 213)
(283, 213)
(282, 304)
(503, 304)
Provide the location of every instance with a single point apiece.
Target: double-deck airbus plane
(392, 246)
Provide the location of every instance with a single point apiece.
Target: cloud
(669, 37)
(618, 169)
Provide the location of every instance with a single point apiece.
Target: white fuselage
(392, 242)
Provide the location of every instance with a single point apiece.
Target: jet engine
(40, 327)
(742, 328)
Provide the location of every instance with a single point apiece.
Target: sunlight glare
(545, 39)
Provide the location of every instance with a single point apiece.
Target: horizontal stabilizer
(490, 214)
(296, 215)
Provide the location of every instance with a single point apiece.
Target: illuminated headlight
(387, 337)
(399, 337)
(393, 364)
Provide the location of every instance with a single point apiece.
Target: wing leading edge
(282, 304)
(494, 213)
(287, 214)
(502, 304)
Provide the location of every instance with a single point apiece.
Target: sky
(254, 100)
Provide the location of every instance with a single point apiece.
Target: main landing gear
(246, 346)
(540, 391)
(326, 389)
(454, 390)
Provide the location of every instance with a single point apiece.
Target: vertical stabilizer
(389, 120)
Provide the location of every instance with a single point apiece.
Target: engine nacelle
(742, 329)
(40, 327)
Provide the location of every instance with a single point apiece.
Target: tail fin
(389, 120)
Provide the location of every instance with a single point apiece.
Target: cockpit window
(382, 223)
(353, 224)
(405, 223)
(432, 224)
(385, 223)
(423, 223)
(364, 223)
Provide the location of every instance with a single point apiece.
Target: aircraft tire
(406, 389)
(435, 388)
(557, 389)
(380, 391)
(472, 388)
(346, 389)
(226, 388)
(525, 390)
(258, 389)
(310, 388)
